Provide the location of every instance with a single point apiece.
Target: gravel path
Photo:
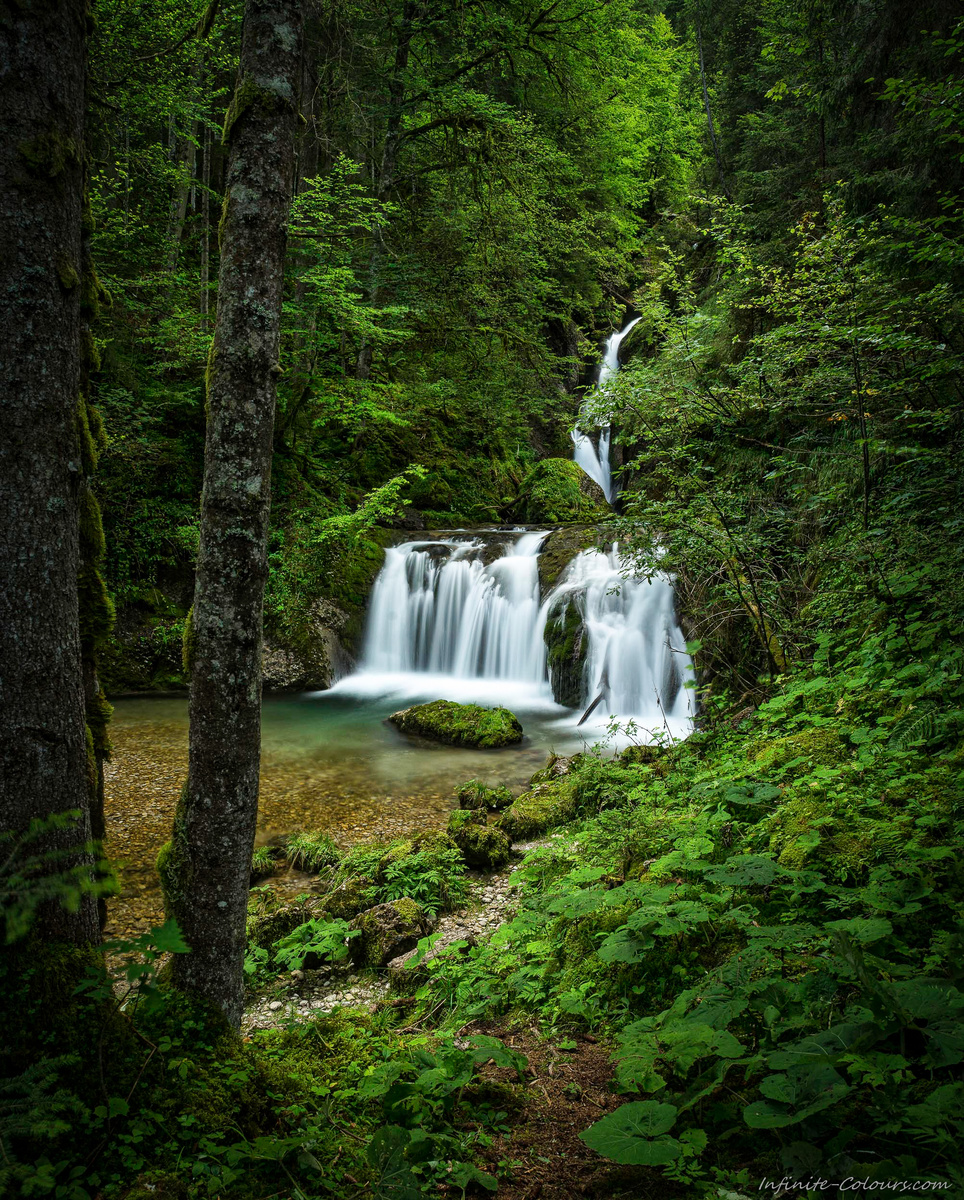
(302, 994)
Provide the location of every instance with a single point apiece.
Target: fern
(919, 724)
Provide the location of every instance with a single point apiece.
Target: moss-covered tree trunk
(44, 762)
(206, 868)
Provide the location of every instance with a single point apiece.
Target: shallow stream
(329, 763)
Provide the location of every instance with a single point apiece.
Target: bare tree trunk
(206, 867)
(709, 112)
(44, 765)
(386, 172)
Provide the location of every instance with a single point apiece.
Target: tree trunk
(44, 766)
(206, 868)
(386, 172)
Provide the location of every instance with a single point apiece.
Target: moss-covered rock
(558, 551)
(349, 898)
(476, 794)
(554, 490)
(270, 927)
(463, 818)
(386, 931)
(460, 724)
(483, 847)
(567, 648)
(557, 767)
(543, 807)
(264, 862)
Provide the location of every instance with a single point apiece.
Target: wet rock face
(460, 724)
(567, 647)
(553, 491)
(313, 658)
(386, 931)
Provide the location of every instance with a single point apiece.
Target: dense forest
(323, 323)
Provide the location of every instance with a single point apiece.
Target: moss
(559, 549)
(89, 452)
(463, 818)
(188, 642)
(67, 273)
(174, 865)
(271, 927)
(349, 898)
(817, 746)
(543, 807)
(805, 829)
(483, 847)
(96, 607)
(460, 724)
(246, 95)
(92, 542)
(50, 154)
(567, 649)
(554, 491)
(476, 794)
(386, 931)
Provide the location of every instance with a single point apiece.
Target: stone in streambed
(460, 724)
(349, 898)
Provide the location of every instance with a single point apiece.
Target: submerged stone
(460, 724)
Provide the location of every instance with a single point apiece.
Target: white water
(594, 459)
(444, 625)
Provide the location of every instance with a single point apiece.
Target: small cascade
(594, 459)
(438, 607)
(637, 662)
(461, 618)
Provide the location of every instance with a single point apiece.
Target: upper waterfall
(594, 459)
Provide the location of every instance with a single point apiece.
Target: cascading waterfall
(594, 459)
(437, 607)
(462, 619)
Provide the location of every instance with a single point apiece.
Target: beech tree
(46, 444)
(206, 867)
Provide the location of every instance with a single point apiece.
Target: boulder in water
(386, 931)
(567, 649)
(460, 724)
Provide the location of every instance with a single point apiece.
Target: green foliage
(313, 852)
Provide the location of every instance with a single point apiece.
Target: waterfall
(437, 607)
(637, 660)
(461, 618)
(595, 461)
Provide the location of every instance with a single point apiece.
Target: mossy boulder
(808, 829)
(558, 551)
(349, 898)
(460, 724)
(557, 767)
(809, 748)
(477, 795)
(270, 927)
(463, 818)
(543, 807)
(386, 931)
(567, 649)
(483, 847)
(558, 490)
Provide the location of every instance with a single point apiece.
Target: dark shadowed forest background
(662, 966)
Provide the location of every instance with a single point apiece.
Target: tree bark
(44, 764)
(206, 868)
